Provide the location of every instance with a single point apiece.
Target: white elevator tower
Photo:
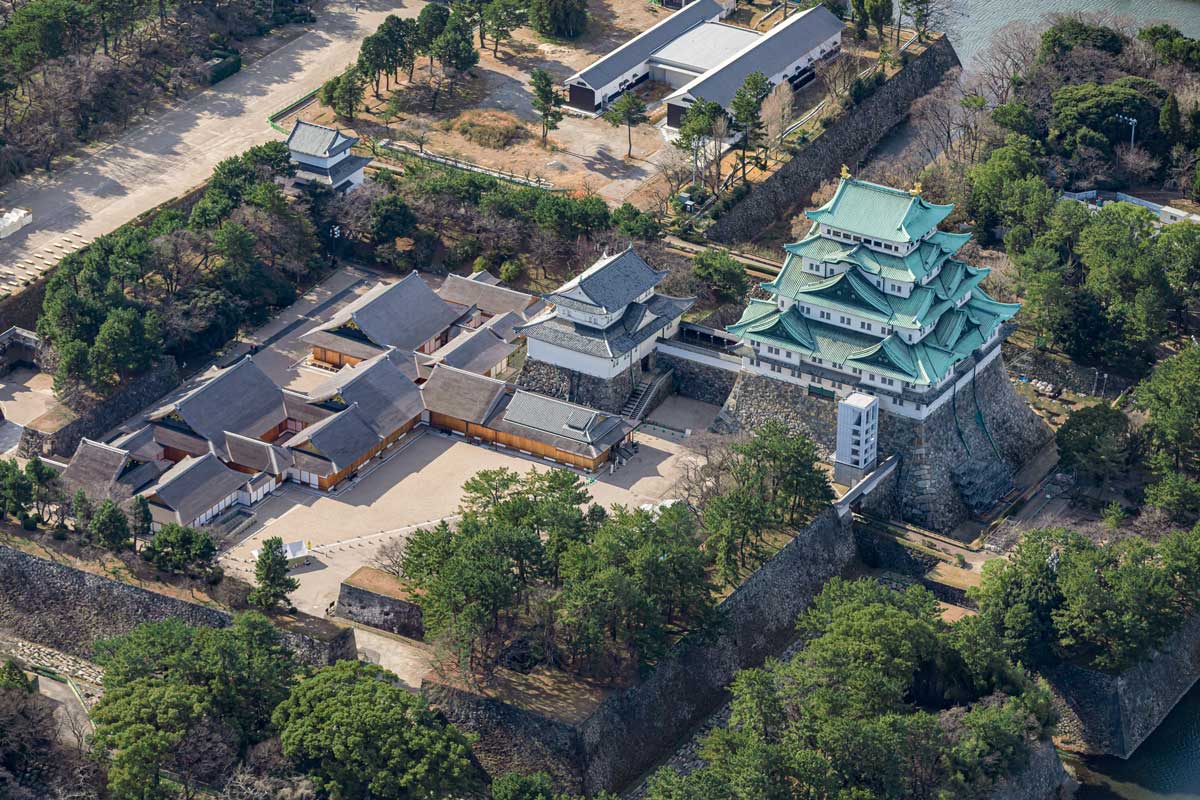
(857, 438)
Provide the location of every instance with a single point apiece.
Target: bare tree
(839, 72)
(1137, 163)
(1012, 52)
(777, 111)
(1181, 170)
(389, 557)
(717, 136)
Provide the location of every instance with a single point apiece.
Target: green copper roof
(879, 212)
(912, 268)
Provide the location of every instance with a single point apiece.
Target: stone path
(63, 663)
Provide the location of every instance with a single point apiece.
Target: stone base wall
(58, 606)
(847, 140)
(633, 729)
(1037, 365)
(1043, 778)
(699, 381)
(103, 416)
(930, 449)
(1105, 714)
(566, 384)
(391, 614)
(934, 447)
(757, 399)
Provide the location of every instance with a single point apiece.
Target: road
(177, 150)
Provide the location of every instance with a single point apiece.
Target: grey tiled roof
(382, 388)
(610, 284)
(317, 140)
(240, 399)
(488, 298)
(782, 45)
(336, 173)
(638, 49)
(564, 425)
(462, 395)
(257, 455)
(342, 438)
(474, 351)
(505, 325)
(403, 315)
(639, 323)
(195, 485)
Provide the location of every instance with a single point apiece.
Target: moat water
(973, 28)
(1167, 765)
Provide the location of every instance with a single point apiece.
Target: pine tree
(273, 584)
(627, 110)
(81, 510)
(109, 527)
(547, 101)
(1169, 121)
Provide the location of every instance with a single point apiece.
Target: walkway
(164, 158)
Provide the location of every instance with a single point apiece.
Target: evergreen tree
(500, 19)
(455, 52)
(109, 527)
(430, 24)
(627, 110)
(565, 18)
(747, 111)
(13, 677)
(547, 100)
(81, 510)
(272, 582)
(1170, 125)
(140, 519)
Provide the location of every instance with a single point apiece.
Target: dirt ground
(583, 154)
(27, 398)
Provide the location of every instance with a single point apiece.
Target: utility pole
(1132, 123)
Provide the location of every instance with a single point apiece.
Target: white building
(322, 155)
(606, 321)
(857, 438)
(700, 57)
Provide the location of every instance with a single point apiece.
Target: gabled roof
(474, 351)
(567, 426)
(638, 49)
(195, 485)
(610, 284)
(240, 399)
(341, 438)
(639, 322)
(315, 140)
(488, 298)
(463, 395)
(105, 471)
(769, 54)
(256, 455)
(403, 315)
(879, 212)
(382, 388)
(505, 325)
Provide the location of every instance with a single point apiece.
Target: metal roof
(560, 418)
(639, 49)
(705, 46)
(610, 284)
(310, 139)
(879, 212)
(769, 54)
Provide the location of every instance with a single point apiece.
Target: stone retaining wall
(110, 412)
(633, 729)
(757, 399)
(391, 614)
(847, 140)
(699, 381)
(1037, 365)
(1112, 714)
(1043, 778)
(576, 387)
(58, 606)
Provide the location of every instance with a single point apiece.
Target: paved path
(177, 151)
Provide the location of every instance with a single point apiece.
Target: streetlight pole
(1132, 123)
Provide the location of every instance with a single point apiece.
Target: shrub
(511, 270)
(493, 130)
(224, 68)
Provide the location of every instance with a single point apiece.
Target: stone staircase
(643, 393)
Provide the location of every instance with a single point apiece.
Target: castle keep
(874, 301)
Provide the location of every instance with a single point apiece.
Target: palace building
(875, 300)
